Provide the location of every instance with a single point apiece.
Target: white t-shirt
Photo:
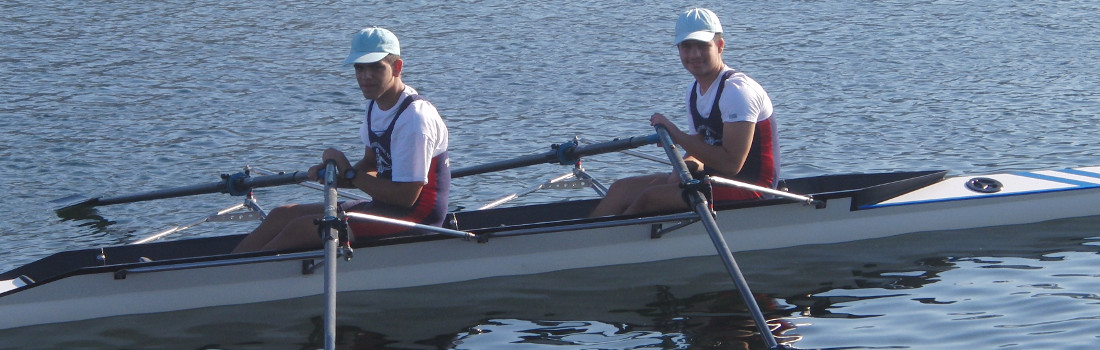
(743, 99)
(418, 136)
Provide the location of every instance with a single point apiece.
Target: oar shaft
(243, 183)
(276, 180)
(699, 204)
(520, 162)
(312, 185)
(615, 145)
(331, 243)
(556, 156)
(159, 194)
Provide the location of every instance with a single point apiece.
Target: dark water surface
(109, 98)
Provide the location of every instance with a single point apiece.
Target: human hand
(693, 165)
(660, 119)
(316, 172)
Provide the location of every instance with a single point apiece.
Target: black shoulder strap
(714, 110)
(400, 109)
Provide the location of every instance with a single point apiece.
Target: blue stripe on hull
(1057, 179)
(1079, 185)
(1081, 173)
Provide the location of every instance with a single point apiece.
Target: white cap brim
(701, 35)
(364, 57)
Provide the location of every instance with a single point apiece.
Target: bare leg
(276, 222)
(298, 233)
(625, 192)
(658, 198)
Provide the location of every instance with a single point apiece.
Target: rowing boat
(532, 239)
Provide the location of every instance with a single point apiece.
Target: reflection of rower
(350, 337)
(714, 319)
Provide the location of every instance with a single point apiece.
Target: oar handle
(564, 154)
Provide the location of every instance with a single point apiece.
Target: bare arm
(402, 194)
(726, 159)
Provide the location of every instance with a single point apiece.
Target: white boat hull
(242, 280)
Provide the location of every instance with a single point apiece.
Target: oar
(238, 185)
(313, 185)
(331, 237)
(565, 154)
(702, 209)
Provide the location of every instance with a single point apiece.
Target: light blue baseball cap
(371, 45)
(697, 24)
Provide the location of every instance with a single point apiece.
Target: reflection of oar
(237, 184)
(565, 154)
(699, 204)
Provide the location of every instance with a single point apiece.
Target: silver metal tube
(161, 234)
(407, 224)
(761, 189)
(330, 239)
(530, 190)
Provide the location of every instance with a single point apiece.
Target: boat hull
(525, 250)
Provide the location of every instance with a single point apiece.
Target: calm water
(109, 98)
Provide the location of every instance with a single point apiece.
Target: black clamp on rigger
(343, 235)
(700, 186)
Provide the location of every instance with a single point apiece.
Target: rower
(731, 131)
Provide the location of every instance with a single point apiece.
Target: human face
(378, 78)
(702, 58)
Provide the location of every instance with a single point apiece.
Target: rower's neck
(706, 80)
(389, 97)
